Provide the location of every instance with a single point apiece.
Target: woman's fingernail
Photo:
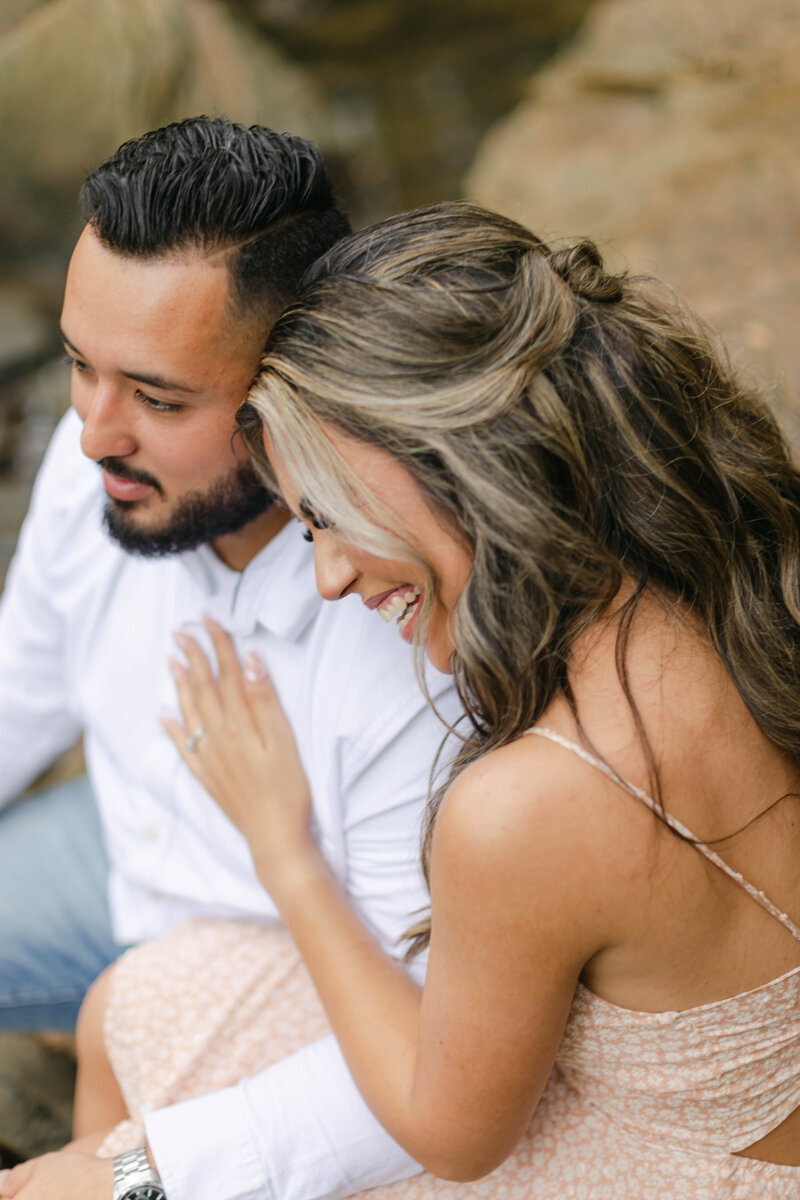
(254, 669)
(175, 667)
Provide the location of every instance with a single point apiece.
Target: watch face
(145, 1191)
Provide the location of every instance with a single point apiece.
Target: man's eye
(157, 405)
(74, 363)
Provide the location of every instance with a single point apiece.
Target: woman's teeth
(400, 605)
(407, 615)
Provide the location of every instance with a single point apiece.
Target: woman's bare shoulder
(534, 824)
(537, 786)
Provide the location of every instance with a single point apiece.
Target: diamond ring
(193, 739)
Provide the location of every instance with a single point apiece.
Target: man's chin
(137, 538)
(196, 519)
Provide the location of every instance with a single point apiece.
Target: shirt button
(151, 833)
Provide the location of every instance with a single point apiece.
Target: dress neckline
(662, 1014)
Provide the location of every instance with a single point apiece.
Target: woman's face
(393, 589)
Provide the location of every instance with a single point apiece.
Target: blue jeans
(55, 929)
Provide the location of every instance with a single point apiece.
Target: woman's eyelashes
(313, 518)
(308, 534)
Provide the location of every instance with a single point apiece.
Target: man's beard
(198, 517)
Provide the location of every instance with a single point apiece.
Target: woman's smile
(401, 604)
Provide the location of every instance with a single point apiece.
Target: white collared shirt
(85, 634)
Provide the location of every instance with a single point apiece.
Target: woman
(552, 480)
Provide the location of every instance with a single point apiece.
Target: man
(196, 236)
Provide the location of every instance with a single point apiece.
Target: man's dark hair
(212, 184)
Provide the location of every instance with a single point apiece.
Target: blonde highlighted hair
(575, 428)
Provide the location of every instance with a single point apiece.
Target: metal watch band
(132, 1169)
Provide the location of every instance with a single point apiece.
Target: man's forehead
(190, 264)
(178, 302)
(204, 271)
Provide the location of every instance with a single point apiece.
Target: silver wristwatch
(135, 1179)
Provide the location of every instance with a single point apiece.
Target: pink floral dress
(639, 1106)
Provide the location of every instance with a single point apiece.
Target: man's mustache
(118, 467)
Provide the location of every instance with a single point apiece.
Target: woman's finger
(254, 670)
(187, 700)
(14, 1180)
(263, 699)
(197, 685)
(198, 666)
(231, 680)
(189, 746)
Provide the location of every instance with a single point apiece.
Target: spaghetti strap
(673, 823)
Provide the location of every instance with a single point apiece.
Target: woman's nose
(335, 573)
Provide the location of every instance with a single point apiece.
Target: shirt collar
(277, 590)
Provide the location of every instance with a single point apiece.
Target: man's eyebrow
(163, 385)
(68, 343)
(155, 381)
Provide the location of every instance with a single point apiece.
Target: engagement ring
(193, 739)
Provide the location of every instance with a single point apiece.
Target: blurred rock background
(668, 132)
(397, 92)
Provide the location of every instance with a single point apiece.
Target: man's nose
(335, 572)
(105, 425)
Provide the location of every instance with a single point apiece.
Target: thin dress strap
(673, 823)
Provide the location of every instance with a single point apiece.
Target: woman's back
(682, 935)
(720, 777)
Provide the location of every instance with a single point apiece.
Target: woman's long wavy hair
(576, 429)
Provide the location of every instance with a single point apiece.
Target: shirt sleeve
(297, 1131)
(383, 824)
(36, 724)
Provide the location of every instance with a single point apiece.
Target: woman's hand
(236, 741)
(64, 1175)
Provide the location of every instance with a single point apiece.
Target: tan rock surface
(670, 133)
(77, 77)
